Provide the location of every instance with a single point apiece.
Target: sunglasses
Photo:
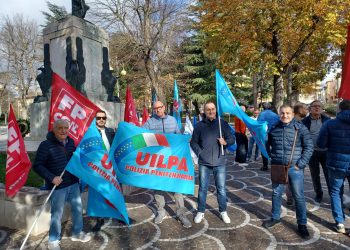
(101, 117)
(156, 108)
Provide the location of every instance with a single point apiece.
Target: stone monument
(77, 50)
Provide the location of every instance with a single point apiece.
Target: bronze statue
(79, 8)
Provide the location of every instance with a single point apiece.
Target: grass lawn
(33, 180)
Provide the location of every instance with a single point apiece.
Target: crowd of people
(295, 138)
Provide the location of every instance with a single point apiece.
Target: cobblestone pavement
(249, 204)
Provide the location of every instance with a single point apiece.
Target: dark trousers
(242, 147)
(317, 158)
(266, 160)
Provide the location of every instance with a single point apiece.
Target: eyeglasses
(101, 118)
(156, 108)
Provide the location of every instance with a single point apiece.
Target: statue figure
(107, 78)
(79, 8)
(75, 68)
(45, 77)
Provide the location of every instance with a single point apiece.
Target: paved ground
(249, 195)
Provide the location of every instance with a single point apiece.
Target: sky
(30, 9)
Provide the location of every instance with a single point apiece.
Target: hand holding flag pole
(38, 215)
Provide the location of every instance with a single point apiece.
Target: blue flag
(89, 163)
(226, 103)
(149, 160)
(177, 107)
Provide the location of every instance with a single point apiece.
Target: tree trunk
(277, 78)
(255, 80)
(289, 76)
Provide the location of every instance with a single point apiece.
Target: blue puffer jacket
(51, 159)
(335, 135)
(281, 139)
(205, 143)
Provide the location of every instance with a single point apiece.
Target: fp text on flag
(17, 163)
(69, 104)
(149, 160)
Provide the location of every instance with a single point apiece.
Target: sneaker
(270, 223)
(340, 228)
(99, 223)
(249, 160)
(54, 245)
(184, 221)
(303, 232)
(160, 217)
(225, 217)
(199, 217)
(82, 237)
(319, 198)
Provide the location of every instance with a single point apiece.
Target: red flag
(344, 91)
(18, 163)
(130, 110)
(145, 115)
(68, 103)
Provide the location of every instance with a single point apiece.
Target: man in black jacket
(51, 159)
(107, 135)
(314, 123)
(209, 145)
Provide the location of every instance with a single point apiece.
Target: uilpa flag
(90, 164)
(69, 104)
(226, 103)
(17, 163)
(150, 160)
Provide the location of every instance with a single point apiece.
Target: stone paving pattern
(249, 204)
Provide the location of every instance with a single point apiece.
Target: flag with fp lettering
(17, 163)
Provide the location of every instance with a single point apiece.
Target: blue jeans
(220, 183)
(336, 185)
(70, 194)
(296, 182)
(250, 149)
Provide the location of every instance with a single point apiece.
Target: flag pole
(38, 215)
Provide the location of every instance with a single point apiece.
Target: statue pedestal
(84, 59)
(40, 112)
(21, 211)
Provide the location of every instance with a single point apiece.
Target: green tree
(55, 13)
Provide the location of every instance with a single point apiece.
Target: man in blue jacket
(209, 145)
(163, 123)
(314, 123)
(281, 138)
(335, 135)
(51, 159)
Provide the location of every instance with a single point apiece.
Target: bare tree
(21, 53)
(153, 27)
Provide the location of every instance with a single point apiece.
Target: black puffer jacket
(205, 142)
(281, 139)
(52, 158)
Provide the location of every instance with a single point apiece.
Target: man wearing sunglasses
(107, 135)
(163, 123)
